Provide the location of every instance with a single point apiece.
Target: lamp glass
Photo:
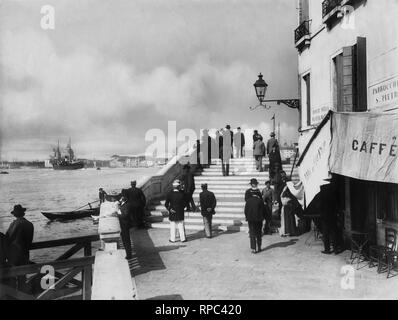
(261, 87)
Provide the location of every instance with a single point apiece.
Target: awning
(365, 146)
(360, 145)
(314, 161)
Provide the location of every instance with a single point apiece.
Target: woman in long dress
(288, 220)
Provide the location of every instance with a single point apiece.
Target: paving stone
(224, 268)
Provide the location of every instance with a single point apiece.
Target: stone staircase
(229, 192)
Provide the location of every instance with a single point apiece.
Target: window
(307, 100)
(337, 79)
(304, 13)
(349, 82)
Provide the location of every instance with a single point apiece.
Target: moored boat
(68, 162)
(71, 215)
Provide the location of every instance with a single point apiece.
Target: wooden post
(87, 278)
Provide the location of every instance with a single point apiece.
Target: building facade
(348, 62)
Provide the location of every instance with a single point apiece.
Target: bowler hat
(253, 181)
(18, 209)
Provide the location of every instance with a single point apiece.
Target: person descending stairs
(229, 192)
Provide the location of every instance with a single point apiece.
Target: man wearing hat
(227, 151)
(175, 204)
(188, 186)
(137, 203)
(208, 203)
(272, 142)
(254, 190)
(125, 221)
(239, 142)
(18, 238)
(255, 214)
(267, 194)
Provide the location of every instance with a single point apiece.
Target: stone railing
(156, 186)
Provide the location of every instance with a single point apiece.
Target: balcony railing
(328, 6)
(302, 30)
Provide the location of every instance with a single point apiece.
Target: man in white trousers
(175, 204)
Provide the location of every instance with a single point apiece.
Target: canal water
(51, 190)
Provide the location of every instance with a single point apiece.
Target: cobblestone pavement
(224, 268)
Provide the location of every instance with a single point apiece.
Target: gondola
(71, 215)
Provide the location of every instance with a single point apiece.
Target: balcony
(302, 35)
(330, 7)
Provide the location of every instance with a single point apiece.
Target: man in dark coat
(207, 143)
(125, 220)
(275, 161)
(255, 214)
(256, 136)
(267, 194)
(328, 212)
(175, 204)
(18, 239)
(272, 142)
(137, 202)
(208, 203)
(254, 190)
(101, 195)
(188, 184)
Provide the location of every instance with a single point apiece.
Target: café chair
(380, 254)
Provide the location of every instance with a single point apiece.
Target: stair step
(224, 209)
(221, 203)
(199, 227)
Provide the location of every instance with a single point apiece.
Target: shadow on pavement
(201, 234)
(284, 244)
(146, 255)
(167, 297)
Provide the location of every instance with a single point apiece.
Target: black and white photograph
(213, 151)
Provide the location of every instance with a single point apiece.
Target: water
(51, 190)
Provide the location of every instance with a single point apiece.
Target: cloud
(105, 82)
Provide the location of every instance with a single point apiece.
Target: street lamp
(261, 88)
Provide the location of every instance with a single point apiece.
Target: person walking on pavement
(259, 153)
(267, 194)
(125, 220)
(208, 203)
(239, 142)
(137, 203)
(255, 214)
(101, 195)
(253, 190)
(188, 186)
(175, 204)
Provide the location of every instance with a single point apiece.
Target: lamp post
(261, 88)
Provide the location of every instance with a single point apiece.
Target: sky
(110, 71)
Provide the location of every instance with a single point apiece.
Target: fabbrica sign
(365, 146)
